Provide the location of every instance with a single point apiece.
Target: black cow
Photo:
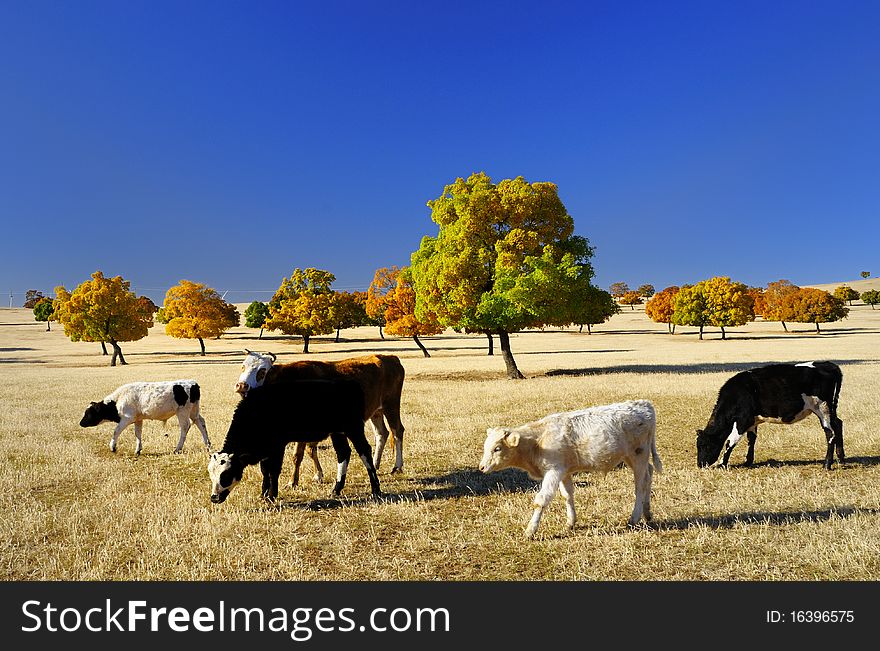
(276, 414)
(777, 393)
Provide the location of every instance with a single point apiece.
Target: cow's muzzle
(219, 498)
(241, 388)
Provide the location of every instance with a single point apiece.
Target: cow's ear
(511, 438)
(699, 432)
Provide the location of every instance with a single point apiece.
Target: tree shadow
(14, 350)
(682, 368)
(776, 518)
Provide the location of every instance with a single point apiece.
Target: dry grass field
(73, 510)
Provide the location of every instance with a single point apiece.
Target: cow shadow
(775, 463)
(776, 518)
(458, 483)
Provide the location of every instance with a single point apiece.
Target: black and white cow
(271, 416)
(777, 393)
(139, 401)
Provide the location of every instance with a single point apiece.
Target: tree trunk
(48, 326)
(581, 329)
(673, 328)
(491, 344)
(424, 350)
(513, 372)
(722, 333)
(305, 344)
(337, 335)
(104, 348)
(589, 329)
(117, 353)
(701, 333)
(261, 334)
(202, 344)
(381, 335)
(817, 326)
(784, 326)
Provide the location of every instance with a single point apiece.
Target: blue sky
(230, 142)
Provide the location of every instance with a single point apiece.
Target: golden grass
(73, 510)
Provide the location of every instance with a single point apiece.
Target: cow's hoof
(396, 470)
(178, 451)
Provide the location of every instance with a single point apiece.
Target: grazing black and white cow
(139, 401)
(273, 415)
(777, 393)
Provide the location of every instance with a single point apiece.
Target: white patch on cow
(217, 464)
(735, 436)
(341, 470)
(807, 364)
(253, 372)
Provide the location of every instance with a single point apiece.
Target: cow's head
(708, 448)
(499, 449)
(253, 371)
(98, 412)
(225, 471)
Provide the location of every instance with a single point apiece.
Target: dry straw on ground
(73, 510)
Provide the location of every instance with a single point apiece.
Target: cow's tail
(837, 387)
(655, 457)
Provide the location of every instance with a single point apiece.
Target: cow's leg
(362, 447)
(566, 487)
(641, 470)
(343, 454)
(381, 436)
(185, 424)
(752, 435)
(729, 444)
(121, 425)
(837, 424)
(271, 467)
(391, 407)
(196, 418)
(313, 455)
(138, 429)
(823, 412)
(549, 486)
(298, 451)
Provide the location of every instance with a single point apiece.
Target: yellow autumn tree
(195, 311)
(400, 312)
(304, 305)
(729, 303)
(104, 310)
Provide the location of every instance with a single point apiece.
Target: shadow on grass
(850, 461)
(777, 518)
(458, 483)
(733, 367)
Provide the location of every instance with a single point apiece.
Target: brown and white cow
(380, 376)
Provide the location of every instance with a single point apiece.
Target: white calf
(596, 439)
(140, 401)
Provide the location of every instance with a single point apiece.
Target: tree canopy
(195, 311)
(661, 307)
(846, 293)
(487, 268)
(43, 311)
(871, 297)
(400, 311)
(811, 305)
(303, 305)
(255, 315)
(103, 309)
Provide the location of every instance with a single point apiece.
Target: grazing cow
(596, 439)
(271, 416)
(381, 379)
(140, 401)
(776, 393)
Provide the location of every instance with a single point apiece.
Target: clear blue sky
(230, 142)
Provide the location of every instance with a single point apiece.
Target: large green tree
(103, 309)
(486, 270)
(303, 305)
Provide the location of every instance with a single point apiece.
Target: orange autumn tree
(775, 299)
(195, 311)
(662, 306)
(400, 312)
(105, 310)
(384, 281)
(810, 305)
(632, 299)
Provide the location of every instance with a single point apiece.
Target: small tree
(400, 313)
(349, 311)
(596, 306)
(729, 303)
(646, 291)
(196, 311)
(775, 301)
(866, 274)
(384, 281)
(255, 315)
(871, 297)
(31, 298)
(618, 289)
(43, 311)
(662, 306)
(759, 306)
(691, 307)
(632, 299)
(103, 309)
(303, 305)
(846, 293)
(810, 305)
